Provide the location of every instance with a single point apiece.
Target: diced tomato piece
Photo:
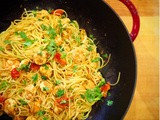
(58, 58)
(62, 101)
(34, 67)
(62, 62)
(57, 12)
(104, 89)
(15, 73)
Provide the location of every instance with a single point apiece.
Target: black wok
(112, 37)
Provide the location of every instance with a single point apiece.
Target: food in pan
(49, 68)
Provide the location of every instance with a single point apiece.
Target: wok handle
(135, 17)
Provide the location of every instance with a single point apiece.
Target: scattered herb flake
(35, 78)
(41, 112)
(94, 94)
(105, 55)
(60, 93)
(7, 41)
(96, 59)
(45, 88)
(109, 102)
(23, 102)
(3, 85)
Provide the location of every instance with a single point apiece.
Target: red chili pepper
(2, 99)
(62, 101)
(104, 89)
(15, 73)
(34, 67)
(57, 12)
(58, 58)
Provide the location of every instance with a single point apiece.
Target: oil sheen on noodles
(49, 68)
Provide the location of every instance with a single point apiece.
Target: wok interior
(111, 37)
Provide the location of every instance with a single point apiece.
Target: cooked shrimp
(46, 70)
(79, 55)
(40, 58)
(46, 86)
(30, 90)
(10, 64)
(9, 106)
(35, 107)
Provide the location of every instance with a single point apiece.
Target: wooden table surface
(145, 103)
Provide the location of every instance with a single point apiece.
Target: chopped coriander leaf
(50, 11)
(82, 96)
(7, 41)
(58, 82)
(23, 35)
(102, 82)
(34, 13)
(28, 42)
(24, 67)
(23, 102)
(24, 82)
(96, 59)
(78, 40)
(60, 26)
(63, 55)
(90, 48)
(44, 77)
(45, 118)
(105, 55)
(109, 102)
(43, 27)
(52, 32)
(75, 68)
(92, 37)
(16, 33)
(20, 90)
(35, 78)
(45, 88)
(45, 66)
(93, 95)
(51, 47)
(41, 112)
(3, 85)
(60, 93)
(1, 48)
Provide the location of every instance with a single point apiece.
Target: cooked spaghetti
(49, 68)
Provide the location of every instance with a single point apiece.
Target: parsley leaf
(94, 94)
(109, 102)
(7, 41)
(96, 59)
(52, 32)
(3, 85)
(60, 93)
(23, 102)
(35, 78)
(45, 88)
(28, 42)
(105, 55)
(41, 112)
(101, 83)
(1, 48)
